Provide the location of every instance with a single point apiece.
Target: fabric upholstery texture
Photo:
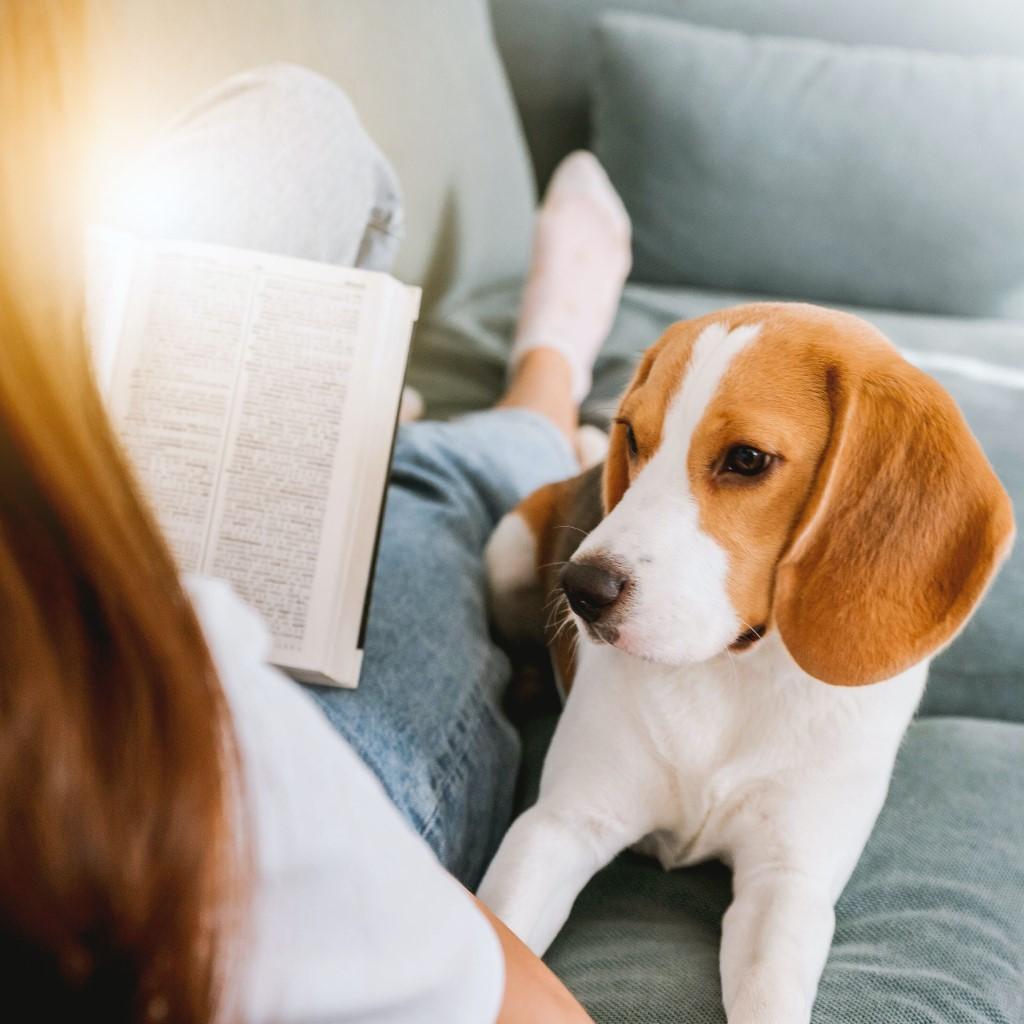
(459, 364)
(872, 175)
(425, 79)
(550, 70)
(929, 929)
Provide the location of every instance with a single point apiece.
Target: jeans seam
(471, 714)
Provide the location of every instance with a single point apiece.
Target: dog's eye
(634, 448)
(746, 460)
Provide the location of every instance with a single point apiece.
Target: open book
(258, 397)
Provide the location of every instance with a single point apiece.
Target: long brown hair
(115, 792)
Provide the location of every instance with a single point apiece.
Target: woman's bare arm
(533, 995)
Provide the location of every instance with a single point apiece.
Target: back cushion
(425, 78)
(982, 672)
(866, 175)
(550, 66)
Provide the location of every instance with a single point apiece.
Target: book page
(174, 380)
(271, 535)
(256, 396)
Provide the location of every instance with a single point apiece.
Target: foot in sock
(581, 257)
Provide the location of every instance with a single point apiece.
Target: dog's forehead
(753, 362)
(683, 375)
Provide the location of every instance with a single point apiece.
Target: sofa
(868, 156)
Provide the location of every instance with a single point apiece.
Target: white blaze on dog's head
(780, 466)
(678, 604)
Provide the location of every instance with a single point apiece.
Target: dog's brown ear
(904, 529)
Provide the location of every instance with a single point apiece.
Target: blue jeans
(276, 159)
(427, 715)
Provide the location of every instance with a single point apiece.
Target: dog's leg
(599, 794)
(530, 545)
(545, 860)
(775, 939)
(514, 585)
(791, 857)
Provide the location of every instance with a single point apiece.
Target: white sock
(581, 258)
(591, 445)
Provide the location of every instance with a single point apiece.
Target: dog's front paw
(768, 1000)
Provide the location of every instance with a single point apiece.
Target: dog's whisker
(554, 604)
(551, 565)
(556, 608)
(735, 670)
(564, 624)
(552, 618)
(566, 619)
(746, 549)
(569, 526)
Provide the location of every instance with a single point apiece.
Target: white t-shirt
(351, 917)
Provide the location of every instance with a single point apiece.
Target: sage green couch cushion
(870, 175)
(459, 364)
(930, 928)
(551, 69)
(425, 78)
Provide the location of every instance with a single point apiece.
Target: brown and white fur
(744, 696)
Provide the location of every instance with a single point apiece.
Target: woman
(184, 837)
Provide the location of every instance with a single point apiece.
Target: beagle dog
(790, 522)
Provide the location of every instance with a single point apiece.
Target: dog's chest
(732, 743)
(709, 751)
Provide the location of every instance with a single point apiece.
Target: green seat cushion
(876, 176)
(459, 363)
(930, 928)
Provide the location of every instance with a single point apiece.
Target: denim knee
(274, 159)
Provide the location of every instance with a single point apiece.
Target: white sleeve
(351, 917)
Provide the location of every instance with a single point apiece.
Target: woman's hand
(533, 995)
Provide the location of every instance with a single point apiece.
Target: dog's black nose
(591, 589)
